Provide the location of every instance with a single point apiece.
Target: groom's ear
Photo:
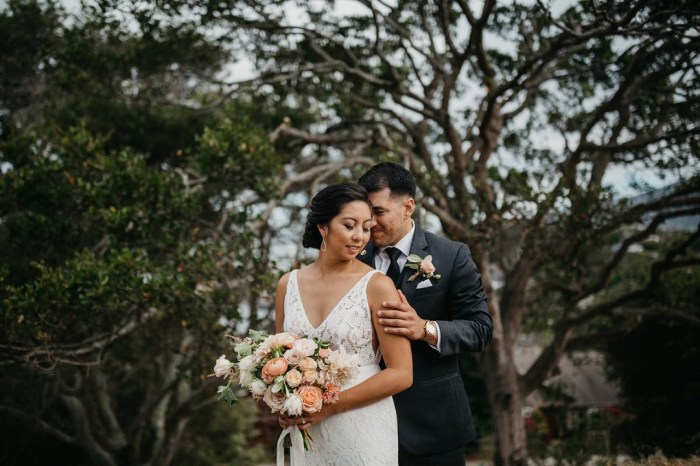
(409, 206)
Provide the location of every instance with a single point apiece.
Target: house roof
(580, 381)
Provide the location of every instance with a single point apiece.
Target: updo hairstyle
(325, 205)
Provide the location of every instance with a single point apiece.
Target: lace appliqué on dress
(366, 436)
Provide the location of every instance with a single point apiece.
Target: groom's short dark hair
(389, 175)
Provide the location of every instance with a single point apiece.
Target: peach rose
(274, 400)
(311, 398)
(324, 352)
(273, 368)
(427, 267)
(293, 378)
(310, 376)
(307, 364)
(331, 394)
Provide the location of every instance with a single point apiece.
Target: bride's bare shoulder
(282, 283)
(380, 284)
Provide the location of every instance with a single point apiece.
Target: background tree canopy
(147, 190)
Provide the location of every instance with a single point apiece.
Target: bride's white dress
(364, 436)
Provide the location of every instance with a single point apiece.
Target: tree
(655, 367)
(513, 118)
(127, 239)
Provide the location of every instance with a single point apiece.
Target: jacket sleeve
(470, 326)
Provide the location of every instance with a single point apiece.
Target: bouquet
(291, 374)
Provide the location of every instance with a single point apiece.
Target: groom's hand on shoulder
(399, 318)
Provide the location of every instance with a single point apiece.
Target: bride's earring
(323, 245)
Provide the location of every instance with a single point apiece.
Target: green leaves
(226, 394)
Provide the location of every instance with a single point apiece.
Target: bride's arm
(396, 351)
(279, 302)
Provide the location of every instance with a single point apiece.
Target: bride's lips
(354, 249)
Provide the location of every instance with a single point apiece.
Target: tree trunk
(506, 405)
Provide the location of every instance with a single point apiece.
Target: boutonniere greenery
(423, 267)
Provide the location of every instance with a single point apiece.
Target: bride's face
(348, 232)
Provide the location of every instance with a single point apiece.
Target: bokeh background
(157, 157)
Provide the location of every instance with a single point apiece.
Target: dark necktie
(393, 272)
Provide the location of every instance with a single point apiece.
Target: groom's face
(392, 215)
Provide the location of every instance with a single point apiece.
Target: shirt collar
(404, 244)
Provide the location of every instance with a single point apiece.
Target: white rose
(284, 339)
(310, 376)
(342, 366)
(305, 346)
(307, 364)
(263, 350)
(246, 364)
(246, 378)
(222, 366)
(427, 267)
(293, 356)
(257, 387)
(293, 378)
(293, 405)
(274, 400)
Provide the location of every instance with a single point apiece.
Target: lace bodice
(349, 324)
(366, 436)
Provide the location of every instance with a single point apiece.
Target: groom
(442, 316)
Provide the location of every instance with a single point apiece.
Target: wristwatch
(430, 328)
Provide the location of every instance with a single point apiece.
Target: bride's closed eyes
(352, 227)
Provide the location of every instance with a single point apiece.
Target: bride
(336, 298)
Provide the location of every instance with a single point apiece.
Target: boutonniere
(423, 267)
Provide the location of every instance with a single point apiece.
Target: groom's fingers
(400, 319)
(386, 314)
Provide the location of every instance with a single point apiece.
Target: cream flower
(310, 376)
(305, 346)
(274, 400)
(257, 388)
(293, 356)
(423, 267)
(293, 378)
(222, 367)
(426, 266)
(246, 364)
(282, 340)
(307, 364)
(245, 378)
(341, 366)
(293, 405)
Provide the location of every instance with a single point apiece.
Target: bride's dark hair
(325, 205)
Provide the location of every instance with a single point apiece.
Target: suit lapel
(419, 246)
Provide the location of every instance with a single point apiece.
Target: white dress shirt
(382, 262)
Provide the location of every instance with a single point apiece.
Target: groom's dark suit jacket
(433, 414)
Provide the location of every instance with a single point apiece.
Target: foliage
(656, 368)
(125, 217)
(589, 437)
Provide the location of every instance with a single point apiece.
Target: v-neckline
(303, 308)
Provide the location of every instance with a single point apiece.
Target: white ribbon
(296, 452)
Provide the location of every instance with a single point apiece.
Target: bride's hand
(306, 420)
